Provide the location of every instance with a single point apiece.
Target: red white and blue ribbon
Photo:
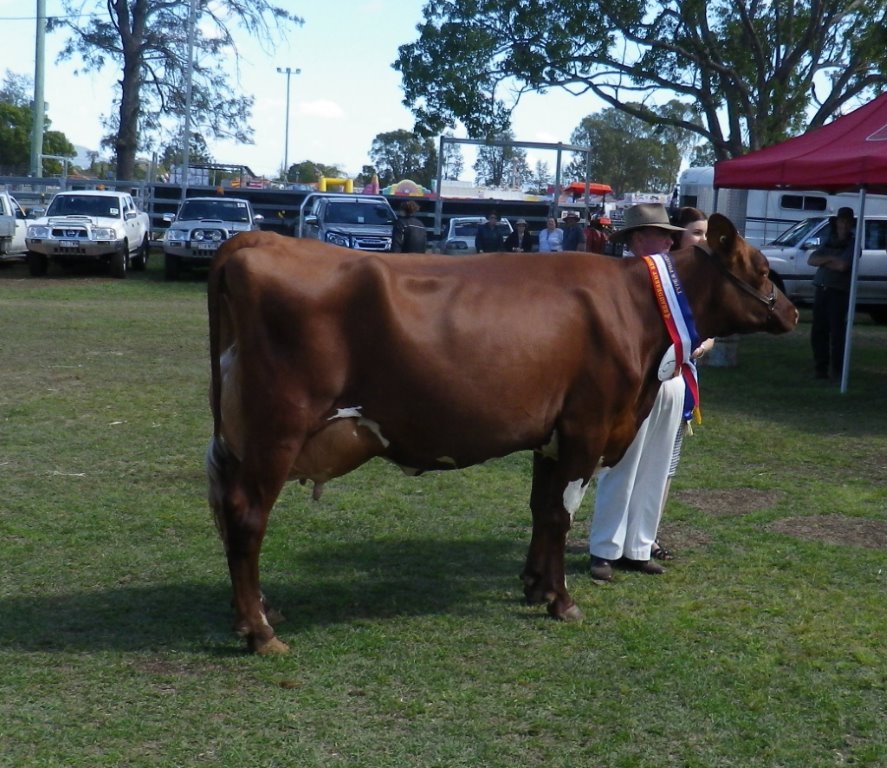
(678, 319)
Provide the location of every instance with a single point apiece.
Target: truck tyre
(170, 266)
(140, 260)
(38, 264)
(878, 314)
(119, 262)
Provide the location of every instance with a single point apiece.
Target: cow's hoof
(570, 614)
(269, 647)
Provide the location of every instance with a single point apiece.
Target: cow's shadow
(373, 580)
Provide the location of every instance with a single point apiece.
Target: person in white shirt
(551, 238)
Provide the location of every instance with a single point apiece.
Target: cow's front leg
(553, 502)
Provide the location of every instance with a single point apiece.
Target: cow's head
(749, 299)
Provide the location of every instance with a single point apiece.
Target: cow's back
(455, 360)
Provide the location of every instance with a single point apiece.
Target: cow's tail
(217, 455)
(215, 289)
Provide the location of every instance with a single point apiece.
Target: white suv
(462, 231)
(89, 225)
(789, 252)
(200, 227)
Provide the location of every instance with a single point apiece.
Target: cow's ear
(722, 237)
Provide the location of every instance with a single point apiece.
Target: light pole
(286, 136)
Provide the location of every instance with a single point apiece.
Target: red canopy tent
(849, 153)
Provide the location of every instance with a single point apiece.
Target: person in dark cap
(831, 301)
(489, 237)
(409, 235)
(520, 240)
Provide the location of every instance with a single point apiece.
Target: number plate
(69, 243)
(207, 246)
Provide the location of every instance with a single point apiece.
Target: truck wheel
(38, 264)
(170, 267)
(118, 262)
(140, 260)
(878, 314)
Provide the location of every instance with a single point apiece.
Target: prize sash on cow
(678, 318)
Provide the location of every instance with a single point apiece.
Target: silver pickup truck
(90, 225)
(198, 229)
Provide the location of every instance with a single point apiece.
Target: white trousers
(629, 497)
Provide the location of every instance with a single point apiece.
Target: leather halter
(769, 301)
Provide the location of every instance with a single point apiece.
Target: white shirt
(551, 240)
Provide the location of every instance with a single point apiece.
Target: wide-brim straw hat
(644, 215)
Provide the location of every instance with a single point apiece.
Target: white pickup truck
(788, 255)
(12, 228)
(89, 226)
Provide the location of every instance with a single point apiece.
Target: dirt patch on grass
(729, 502)
(680, 537)
(828, 529)
(836, 529)
(734, 502)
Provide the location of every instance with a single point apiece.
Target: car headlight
(336, 239)
(176, 235)
(38, 232)
(208, 235)
(104, 233)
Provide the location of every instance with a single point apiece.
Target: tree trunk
(132, 28)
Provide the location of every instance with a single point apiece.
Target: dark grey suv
(361, 222)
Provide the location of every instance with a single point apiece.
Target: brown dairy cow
(323, 358)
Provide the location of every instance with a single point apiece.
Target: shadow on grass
(374, 580)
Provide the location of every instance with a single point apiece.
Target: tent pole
(851, 308)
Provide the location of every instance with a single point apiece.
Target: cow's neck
(698, 273)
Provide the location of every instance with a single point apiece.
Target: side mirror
(811, 244)
(258, 217)
(169, 218)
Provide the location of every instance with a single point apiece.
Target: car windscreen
(84, 205)
(797, 233)
(465, 230)
(358, 213)
(469, 229)
(225, 210)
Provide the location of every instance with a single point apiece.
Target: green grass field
(763, 645)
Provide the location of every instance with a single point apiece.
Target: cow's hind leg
(241, 514)
(553, 502)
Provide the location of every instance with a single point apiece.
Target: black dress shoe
(601, 569)
(641, 566)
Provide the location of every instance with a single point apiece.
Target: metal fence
(280, 207)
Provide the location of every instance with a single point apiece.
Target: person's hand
(704, 347)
